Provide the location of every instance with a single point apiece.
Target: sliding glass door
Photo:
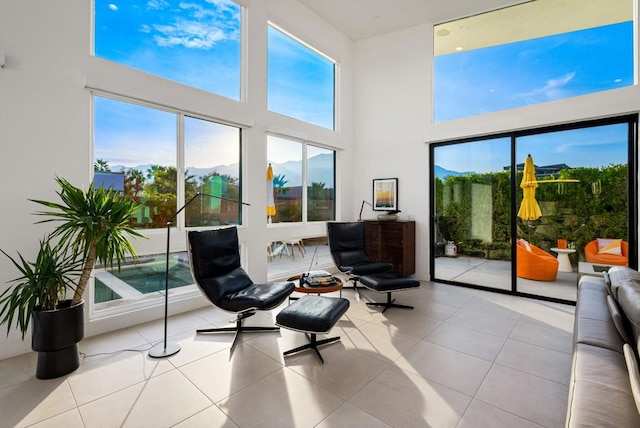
(515, 212)
(581, 181)
(472, 213)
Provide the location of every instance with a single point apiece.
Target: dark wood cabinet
(392, 241)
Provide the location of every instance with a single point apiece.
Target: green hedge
(595, 207)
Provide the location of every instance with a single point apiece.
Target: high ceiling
(361, 19)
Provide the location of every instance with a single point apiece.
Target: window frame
(305, 184)
(179, 223)
(242, 55)
(460, 24)
(631, 120)
(335, 91)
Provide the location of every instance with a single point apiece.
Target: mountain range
(320, 170)
(443, 173)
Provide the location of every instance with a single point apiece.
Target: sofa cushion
(629, 302)
(597, 333)
(597, 406)
(617, 275)
(592, 303)
(593, 322)
(591, 282)
(526, 245)
(607, 283)
(610, 246)
(634, 375)
(618, 321)
(600, 394)
(602, 366)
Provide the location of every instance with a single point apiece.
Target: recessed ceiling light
(618, 80)
(443, 32)
(459, 48)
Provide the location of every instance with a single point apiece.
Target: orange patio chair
(535, 263)
(592, 255)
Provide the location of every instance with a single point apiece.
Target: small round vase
(387, 217)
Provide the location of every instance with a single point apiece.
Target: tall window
(301, 180)
(146, 174)
(212, 156)
(196, 43)
(300, 81)
(538, 51)
(320, 184)
(135, 152)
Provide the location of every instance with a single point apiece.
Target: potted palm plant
(92, 226)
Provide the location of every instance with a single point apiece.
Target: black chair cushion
(256, 296)
(388, 281)
(366, 268)
(347, 246)
(344, 237)
(214, 252)
(215, 263)
(313, 314)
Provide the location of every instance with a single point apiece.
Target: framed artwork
(385, 194)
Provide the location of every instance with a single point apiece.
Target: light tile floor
(461, 358)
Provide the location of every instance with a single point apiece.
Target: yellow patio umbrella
(529, 208)
(271, 204)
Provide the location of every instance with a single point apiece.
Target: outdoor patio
(497, 274)
(283, 264)
(469, 270)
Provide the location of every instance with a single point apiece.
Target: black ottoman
(386, 283)
(312, 315)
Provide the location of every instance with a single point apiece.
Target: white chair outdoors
(293, 243)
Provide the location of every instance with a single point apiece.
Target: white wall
(391, 106)
(393, 115)
(45, 125)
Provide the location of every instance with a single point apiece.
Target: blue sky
(589, 147)
(533, 71)
(198, 43)
(300, 82)
(194, 42)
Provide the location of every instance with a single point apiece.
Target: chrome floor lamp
(164, 348)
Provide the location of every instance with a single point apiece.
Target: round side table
(563, 258)
(328, 287)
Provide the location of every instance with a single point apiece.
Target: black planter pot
(55, 337)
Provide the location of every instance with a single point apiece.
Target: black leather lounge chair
(346, 244)
(214, 257)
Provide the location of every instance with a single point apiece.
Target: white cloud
(573, 145)
(200, 27)
(157, 4)
(553, 89)
(190, 34)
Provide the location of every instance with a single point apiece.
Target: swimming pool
(143, 276)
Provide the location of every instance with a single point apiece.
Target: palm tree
(135, 180)
(93, 224)
(101, 165)
(279, 184)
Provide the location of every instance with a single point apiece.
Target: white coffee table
(592, 269)
(563, 259)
